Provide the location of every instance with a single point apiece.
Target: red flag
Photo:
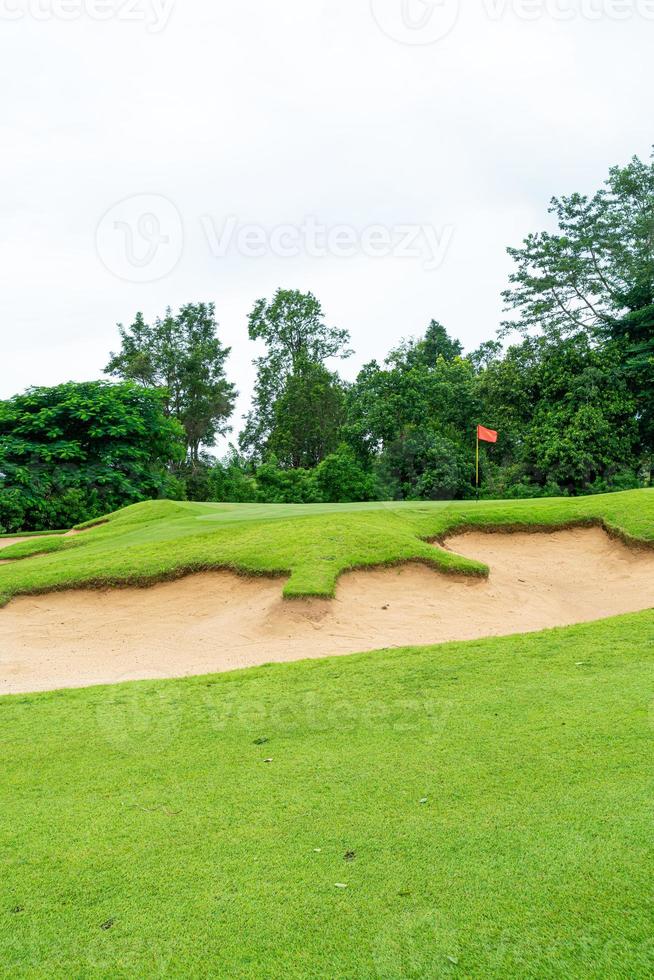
(486, 435)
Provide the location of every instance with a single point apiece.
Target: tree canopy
(292, 327)
(595, 276)
(182, 355)
(307, 416)
(76, 451)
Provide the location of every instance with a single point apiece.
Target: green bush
(74, 452)
(340, 478)
(12, 510)
(229, 483)
(278, 486)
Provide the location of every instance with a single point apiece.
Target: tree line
(568, 381)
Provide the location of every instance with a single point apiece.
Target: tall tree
(295, 334)
(183, 355)
(595, 276)
(412, 390)
(566, 415)
(583, 429)
(307, 416)
(415, 417)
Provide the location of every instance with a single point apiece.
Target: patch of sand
(218, 621)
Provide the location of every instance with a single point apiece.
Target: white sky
(275, 112)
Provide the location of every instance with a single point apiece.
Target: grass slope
(495, 798)
(29, 534)
(311, 544)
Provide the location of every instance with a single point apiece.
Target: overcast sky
(381, 153)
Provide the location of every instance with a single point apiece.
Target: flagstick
(477, 484)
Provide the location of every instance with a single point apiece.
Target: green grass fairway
(312, 544)
(495, 799)
(479, 809)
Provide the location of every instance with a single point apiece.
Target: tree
(488, 352)
(78, 451)
(508, 392)
(415, 418)
(566, 416)
(307, 416)
(420, 463)
(423, 464)
(341, 478)
(276, 485)
(294, 331)
(227, 480)
(426, 351)
(183, 355)
(583, 429)
(595, 276)
(412, 390)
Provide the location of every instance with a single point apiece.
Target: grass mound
(311, 544)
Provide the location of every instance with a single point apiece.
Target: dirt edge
(616, 533)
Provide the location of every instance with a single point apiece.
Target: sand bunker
(218, 621)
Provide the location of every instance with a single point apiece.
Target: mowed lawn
(311, 544)
(473, 809)
(488, 807)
